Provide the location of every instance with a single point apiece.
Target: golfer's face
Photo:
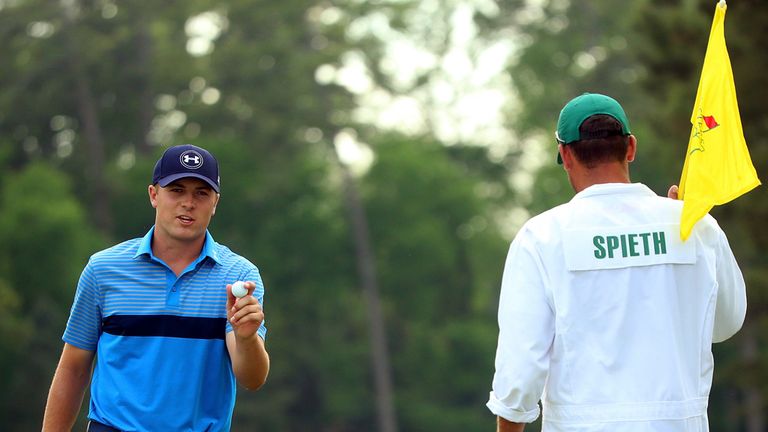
(184, 208)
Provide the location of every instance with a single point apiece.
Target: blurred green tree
(45, 239)
(439, 254)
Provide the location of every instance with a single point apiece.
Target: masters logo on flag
(717, 166)
(702, 125)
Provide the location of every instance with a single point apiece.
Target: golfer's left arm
(250, 360)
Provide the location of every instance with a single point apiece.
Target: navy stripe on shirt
(165, 325)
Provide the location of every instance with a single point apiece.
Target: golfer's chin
(187, 233)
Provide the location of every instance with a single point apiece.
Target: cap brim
(165, 181)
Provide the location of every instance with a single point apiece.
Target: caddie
(605, 315)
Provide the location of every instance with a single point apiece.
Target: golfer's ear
(152, 190)
(218, 197)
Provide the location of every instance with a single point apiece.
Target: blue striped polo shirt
(161, 358)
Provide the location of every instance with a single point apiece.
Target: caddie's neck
(582, 176)
(613, 172)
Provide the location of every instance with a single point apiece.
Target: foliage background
(92, 91)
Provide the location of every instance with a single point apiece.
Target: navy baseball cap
(184, 161)
(583, 107)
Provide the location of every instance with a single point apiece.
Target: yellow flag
(717, 166)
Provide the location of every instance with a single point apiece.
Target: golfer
(157, 314)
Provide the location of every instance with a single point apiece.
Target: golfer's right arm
(66, 394)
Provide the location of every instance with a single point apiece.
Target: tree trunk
(753, 397)
(88, 114)
(365, 261)
(143, 43)
(366, 268)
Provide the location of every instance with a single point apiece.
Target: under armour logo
(195, 160)
(191, 159)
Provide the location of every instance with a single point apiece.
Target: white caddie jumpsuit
(608, 318)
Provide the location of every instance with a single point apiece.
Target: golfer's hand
(245, 314)
(672, 192)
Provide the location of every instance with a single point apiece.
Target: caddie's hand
(672, 192)
(245, 313)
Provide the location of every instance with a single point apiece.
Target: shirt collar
(209, 247)
(614, 189)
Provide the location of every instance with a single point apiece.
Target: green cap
(581, 108)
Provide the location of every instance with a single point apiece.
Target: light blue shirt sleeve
(84, 324)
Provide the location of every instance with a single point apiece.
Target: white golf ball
(238, 289)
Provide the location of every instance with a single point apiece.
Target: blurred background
(377, 158)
